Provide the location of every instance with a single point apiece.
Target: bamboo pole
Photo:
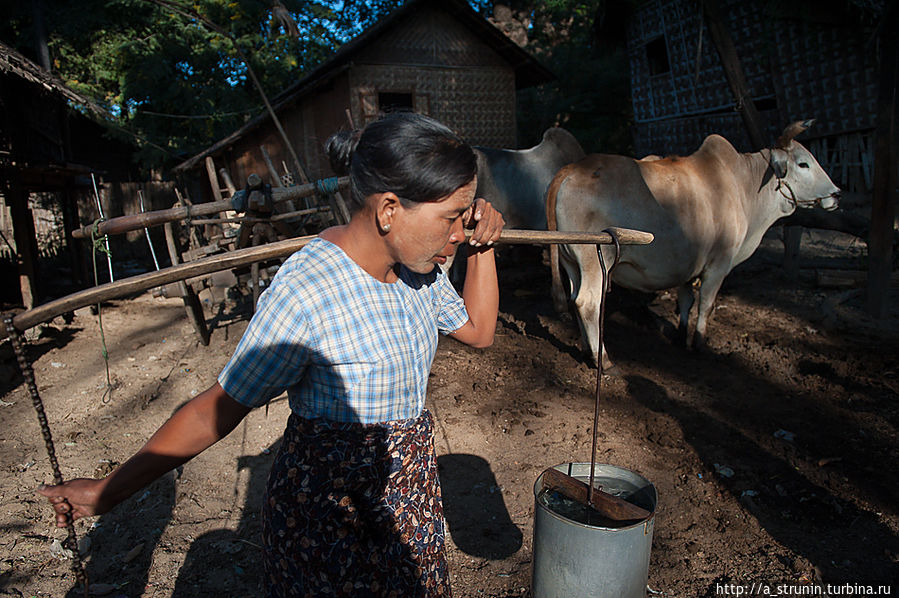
(244, 257)
(124, 224)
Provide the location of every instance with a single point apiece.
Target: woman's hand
(80, 497)
(200, 423)
(486, 221)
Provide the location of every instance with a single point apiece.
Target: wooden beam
(124, 224)
(733, 71)
(26, 243)
(213, 179)
(886, 163)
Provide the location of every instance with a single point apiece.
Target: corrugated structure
(436, 57)
(795, 68)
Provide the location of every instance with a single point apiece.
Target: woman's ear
(386, 207)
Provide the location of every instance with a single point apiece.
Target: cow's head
(800, 179)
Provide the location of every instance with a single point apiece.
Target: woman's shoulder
(319, 269)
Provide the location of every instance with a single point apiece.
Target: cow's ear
(779, 161)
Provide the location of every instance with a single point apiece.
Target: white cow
(708, 212)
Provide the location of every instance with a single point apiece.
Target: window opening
(395, 102)
(657, 54)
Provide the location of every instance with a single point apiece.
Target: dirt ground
(774, 456)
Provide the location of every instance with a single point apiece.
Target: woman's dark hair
(415, 157)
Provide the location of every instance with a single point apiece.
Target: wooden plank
(605, 504)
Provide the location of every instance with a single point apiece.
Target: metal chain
(71, 542)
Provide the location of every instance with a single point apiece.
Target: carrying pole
(278, 249)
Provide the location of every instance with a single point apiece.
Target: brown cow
(708, 212)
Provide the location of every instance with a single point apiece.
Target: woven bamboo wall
(453, 76)
(797, 70)
(434, 38)
(477, 103)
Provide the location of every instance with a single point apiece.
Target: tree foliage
(177, 86)
(170, 80)
(583, 42)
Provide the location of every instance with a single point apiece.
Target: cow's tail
(560, 301)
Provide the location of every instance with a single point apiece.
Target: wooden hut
(48, 149)
(436, 57)
(800, 60)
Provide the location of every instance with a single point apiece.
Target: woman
(349, 328)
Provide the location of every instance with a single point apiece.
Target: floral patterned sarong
(355, 510)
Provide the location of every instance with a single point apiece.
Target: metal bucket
(574, 559)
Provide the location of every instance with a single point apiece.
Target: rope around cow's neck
(71, 542)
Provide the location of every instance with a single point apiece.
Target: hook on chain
(606, 283)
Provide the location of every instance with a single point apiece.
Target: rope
(606, 284)
(99, 244)
(327, 186)
(71, 541)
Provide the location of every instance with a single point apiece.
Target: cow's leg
(708, 292)
(559, 297)
(685, 299)
(587, 280)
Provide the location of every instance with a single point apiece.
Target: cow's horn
(783, 142)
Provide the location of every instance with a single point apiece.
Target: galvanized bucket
(590, 558)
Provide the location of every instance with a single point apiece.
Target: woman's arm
(200, 423)
(481, 290)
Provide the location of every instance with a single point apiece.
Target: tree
(583, 42)
(170, 81)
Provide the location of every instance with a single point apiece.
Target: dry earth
(774, 456)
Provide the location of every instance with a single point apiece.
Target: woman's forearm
(481, 295)
(200, 423)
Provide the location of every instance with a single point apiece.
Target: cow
(708, 212)
(515, 181)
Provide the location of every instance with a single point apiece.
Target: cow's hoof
(679, 337)
(699, 344)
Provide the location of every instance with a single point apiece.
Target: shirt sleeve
(451, 312)
(273, 353)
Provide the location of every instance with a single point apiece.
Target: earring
(386, 227)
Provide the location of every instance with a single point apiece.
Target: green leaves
(171, 79)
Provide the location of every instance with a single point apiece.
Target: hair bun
(340, 148)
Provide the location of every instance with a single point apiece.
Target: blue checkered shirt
(345, 346)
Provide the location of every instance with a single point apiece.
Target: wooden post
(276, 180)
(26, 242)
(792, 241)
(213, 179)
(192, 304)
(733, 71)
(886, 163)
(74, 246)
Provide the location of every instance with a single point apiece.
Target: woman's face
(427, 233)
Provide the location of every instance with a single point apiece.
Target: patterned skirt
(354, 510)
